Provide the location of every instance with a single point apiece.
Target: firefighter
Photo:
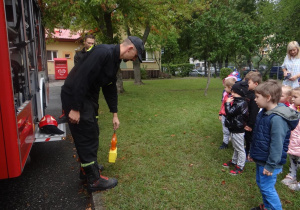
(89, 41)
(80, 94)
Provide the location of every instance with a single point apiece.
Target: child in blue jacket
(270, 140)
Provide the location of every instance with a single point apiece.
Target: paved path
(50, 180)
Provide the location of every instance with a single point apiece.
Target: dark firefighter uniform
(97, 69)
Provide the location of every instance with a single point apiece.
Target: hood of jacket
(290, 115)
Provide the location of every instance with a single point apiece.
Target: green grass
(168, 156)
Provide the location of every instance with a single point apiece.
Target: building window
(67, 56)
(148, 56)
(51, 55)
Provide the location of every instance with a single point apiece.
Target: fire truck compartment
(42, 137)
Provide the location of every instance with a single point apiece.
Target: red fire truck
(24, 86)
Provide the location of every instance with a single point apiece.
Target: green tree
(109, 19)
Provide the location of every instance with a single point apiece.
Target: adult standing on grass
(89, 41)
(80, 95)
(291, 65)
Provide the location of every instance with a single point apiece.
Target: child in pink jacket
(294, 147)
(228, 83)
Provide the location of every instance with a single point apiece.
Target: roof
(65, 35)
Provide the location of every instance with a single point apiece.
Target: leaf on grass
(123, 158)
(81, 191)
(184, 132)
(155, 115)
(287, 201)
(223, 170)
(223, 182)
(191, 164)
(173, 135)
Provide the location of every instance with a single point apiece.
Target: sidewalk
(56, 83)
(96, 196)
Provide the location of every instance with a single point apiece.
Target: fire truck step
(42, 137)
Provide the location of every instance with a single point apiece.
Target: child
(236, 116)
(294, 147)
(254, 79)
(228, 82)
(270, 140)
(286, 95)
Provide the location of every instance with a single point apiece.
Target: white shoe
(295, 187)
(289, 180)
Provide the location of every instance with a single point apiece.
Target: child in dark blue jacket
(270, 140)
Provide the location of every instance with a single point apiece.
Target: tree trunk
(208, 79)
(136, 63)
(220, 62)
(119, 84)
(205, 67)
(137, 72)
(226, 61)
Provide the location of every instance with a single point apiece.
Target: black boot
(223, 146)
(97, 182)
(82, 174)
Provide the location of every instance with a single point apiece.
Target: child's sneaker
(223, 146)
(236, 171)
(295, 187)
(288, 180)
(260, 207)
(228, 164)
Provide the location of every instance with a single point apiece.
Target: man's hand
(116, 122)
(266, 172)
(74, 116)
(247, 128)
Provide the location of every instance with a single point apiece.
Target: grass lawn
(168, 156)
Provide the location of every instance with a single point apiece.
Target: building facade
(64, 44)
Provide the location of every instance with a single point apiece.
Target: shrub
(224, 72)
(184, 69)
(144, 74)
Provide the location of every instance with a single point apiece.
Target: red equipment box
(61, 68)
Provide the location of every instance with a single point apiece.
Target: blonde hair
(292, 45)
(229, 81)
(270, 88)
(287, 89)
(296, 89)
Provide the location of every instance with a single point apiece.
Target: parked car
(231, 67)
(196, 73)
(276, 72)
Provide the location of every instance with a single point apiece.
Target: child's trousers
(266, 185)
(239, 154)
(294, 164)
(226, 133)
